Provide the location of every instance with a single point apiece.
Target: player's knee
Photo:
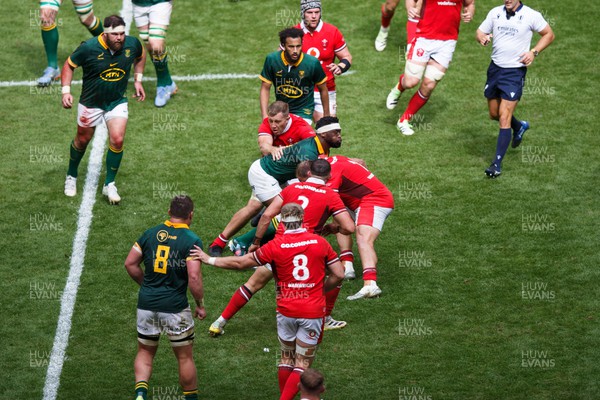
(390, 6)
(117, 143)
(434, 74)
(47, 16)
(412, 74)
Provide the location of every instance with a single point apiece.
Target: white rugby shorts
(422, 50)
(157, 14)
(307, 330)
(264, 186)
(90, 117)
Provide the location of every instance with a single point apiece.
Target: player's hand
(277, 152)
(253, 248)
(335, 69)
(139, 91)
(67, 100)
(200, 313)
(197, 254)
(414, 13)
(466, 15)
(527, 58)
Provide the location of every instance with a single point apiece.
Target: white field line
(183, 78)
(67, 302)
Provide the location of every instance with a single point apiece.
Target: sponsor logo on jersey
(163, 236)
(101, 56)
(313, 51)
(289, 91)
(112, 74)
(279, 73)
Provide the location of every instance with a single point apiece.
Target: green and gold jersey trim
(176, 225)
(293, 65)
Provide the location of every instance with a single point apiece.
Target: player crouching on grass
(299, 261)
(106, 61)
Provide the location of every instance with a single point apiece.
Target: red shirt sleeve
(264, 128)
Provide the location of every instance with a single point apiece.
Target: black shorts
(505, 83)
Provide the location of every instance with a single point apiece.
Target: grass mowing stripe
(67, 302)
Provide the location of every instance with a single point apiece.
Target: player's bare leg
(434, 72)
(240, 298)
(188, 377)
(237, 222)
(365, 241)
(142, 367)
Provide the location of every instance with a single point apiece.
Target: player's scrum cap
(308, 4)
(292, 212)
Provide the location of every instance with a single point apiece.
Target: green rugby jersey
(165, 249)
(294, 83)
(284, 169)
(105, 75)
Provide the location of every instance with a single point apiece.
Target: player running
(413, 8)
(429, 55)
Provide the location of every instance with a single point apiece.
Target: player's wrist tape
(66, 89)
(212, 261)
(346, 65)
(199, 303)
(138, 77)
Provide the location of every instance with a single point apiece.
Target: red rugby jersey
(298, 260)
(298, 129)
(323, 43)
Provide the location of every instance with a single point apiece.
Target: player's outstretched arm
(246, 261)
